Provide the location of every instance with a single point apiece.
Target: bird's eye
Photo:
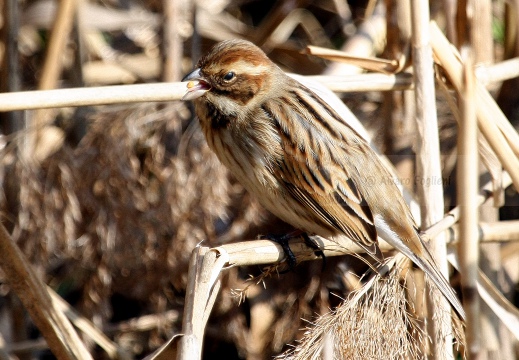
(229, 76)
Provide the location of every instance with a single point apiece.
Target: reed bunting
(291, 150)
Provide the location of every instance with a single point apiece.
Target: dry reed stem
(499, 231)
(503, 308)
(487, 232)
(191, 344)
(52, 68)
(500, 134)
(101, 95)
(57, 330)
(172, 40)
(257, 252)
(450, 18)
(162, 352)
(367, 63)
(89, 329)
(467, 189)
(10, 70)
(57, 42)
(92, 96)
(450, 218)
(488, 156)
(143, 323)
(369, 39)
(27, 100)
(274, 18)
(366, 82)
(507, 69)
(202, 289)
(497, 302)
(480, 17)
(429, 167)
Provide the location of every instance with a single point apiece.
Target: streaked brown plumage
(291, 149)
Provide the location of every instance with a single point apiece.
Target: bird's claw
(283, 240)
(311, 243)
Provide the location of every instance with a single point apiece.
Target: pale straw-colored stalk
(467, 189)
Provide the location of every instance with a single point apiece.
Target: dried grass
(372, 323)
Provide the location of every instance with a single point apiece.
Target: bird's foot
(283, 240)
(311, 243)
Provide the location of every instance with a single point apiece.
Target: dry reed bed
(144, 127)
(127, 167)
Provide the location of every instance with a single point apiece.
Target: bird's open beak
(197, 85)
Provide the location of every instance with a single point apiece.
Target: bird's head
(232, 74)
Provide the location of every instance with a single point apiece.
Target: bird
(292, 150)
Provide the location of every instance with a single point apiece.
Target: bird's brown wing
(314, 168)
(328, 191)
(323, 166)
(340, 216)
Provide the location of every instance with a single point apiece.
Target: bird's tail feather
(425, 262)
(430, 268)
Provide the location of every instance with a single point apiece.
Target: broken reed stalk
(61, 337)
(203, 285)
(191, 343)
(467, 189)
(112, 349)
(429, 168)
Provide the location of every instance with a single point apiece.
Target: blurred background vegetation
(108, 202)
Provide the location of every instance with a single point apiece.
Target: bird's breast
(252, 164)
(244, 155)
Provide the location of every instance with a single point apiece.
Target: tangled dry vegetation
(109, 210)
(118, 214)
(369, 324)
(126, 202)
